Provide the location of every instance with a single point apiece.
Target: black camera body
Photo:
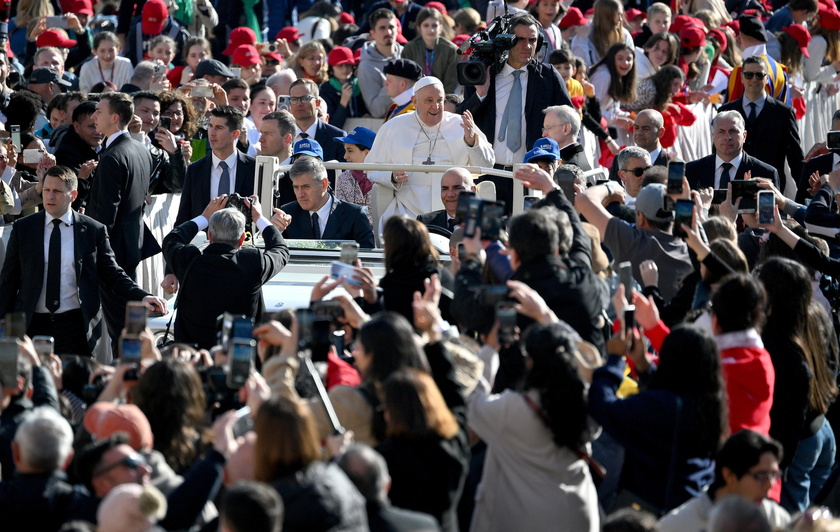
(237, 202)
(490, 48)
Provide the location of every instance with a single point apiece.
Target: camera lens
(272, 48)
(471, 73)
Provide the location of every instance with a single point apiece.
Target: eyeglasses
(131, 462)
(766, 476)
(172, 113)
(751, 75)
(638, 172)
(549, 128)
(303, 99)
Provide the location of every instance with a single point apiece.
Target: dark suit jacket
(241, 271)
(347, 221)
(73, 152)
(574, 154)
(23, 270)
(437, 218)
(196, 193)
(774, 136)
(387, 518)
(545, 88)
(701, 173)
(822, 164)
(118, 197)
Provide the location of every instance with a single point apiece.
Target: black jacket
(339, 114)
(774, 136)
(398, 287)
(241, 272)
(382, 517)
(823, 164)
(701, 173)
(574, 154)
(321, 498)
(168, 170)
(43, 502)
(347, 221)
(73, 152)
(196, 192)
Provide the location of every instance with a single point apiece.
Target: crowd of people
(651, 344)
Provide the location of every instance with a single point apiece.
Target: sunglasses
(751, 75)
(131, 462)
(638, 172)
(766, 476)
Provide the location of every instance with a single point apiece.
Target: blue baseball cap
(308, 147)
(361, 136)
(544, 148)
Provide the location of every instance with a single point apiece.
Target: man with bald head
(452, 183)
(429, 136)
(648, 128)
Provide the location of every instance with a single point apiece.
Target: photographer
(224, 263)
(550, 252)
(521, 80)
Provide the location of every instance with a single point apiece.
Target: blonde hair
(658, 8)
(605, 31)
(305, 51)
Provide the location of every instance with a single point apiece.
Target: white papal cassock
(402, 141)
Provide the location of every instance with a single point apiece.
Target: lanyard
(429, 62)
(101, 75)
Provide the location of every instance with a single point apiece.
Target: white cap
(426, 81)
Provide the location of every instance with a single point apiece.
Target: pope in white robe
(429, 135)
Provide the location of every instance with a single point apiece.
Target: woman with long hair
(657, 91)
(789, 292)
(427, 447)
(549, 13)
(607, 31)
(659, 50)
(311, 62)
(435, 54)
(535, 475)
(410, 259)
(171, 395)
(614, 79)
(263, 102)
(824, 48)
(316, 495)
(179, 109)
(792, 56)
(670, 430)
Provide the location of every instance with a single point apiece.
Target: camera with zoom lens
(488, 48)
(237, 202)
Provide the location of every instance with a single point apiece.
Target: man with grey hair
(281, 81)
(143, 77)
(562, 123)
(632, 163)
(729, 162)
(368, 470)
(241, 271)
(736, 514)
(317, 214)
(39, 497)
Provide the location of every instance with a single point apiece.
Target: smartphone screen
(684, 215)
(462, 252)
(625, 275)
(833, 140)
(56, 22)
(491, 219)
(629, 320)
(8, 362)
(44, 347)
(16, 137)
(130, 350)
(676, 171)
(472, 217)
(766, 201)
(746, 190)
(464, 199)
(329, 309)
(16, 325)
(349, 253)
(305, 318)
(528, 202)
(239, 362)
(135, 317)
(506, 316)
(165, 122)
(242, 328)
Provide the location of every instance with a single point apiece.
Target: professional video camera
(490, 48)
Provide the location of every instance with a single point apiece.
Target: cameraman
(523, 88)
(224, 277)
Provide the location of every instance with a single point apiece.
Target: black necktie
(450, 224)
(53, 297)
(316, 227)
(304, 135)
(751, 117)
(725, 178)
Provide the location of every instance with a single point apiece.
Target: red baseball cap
(239, 36)
(573, 18)
(79, 7)
(633, 14)
(55, 38)
(801, 35)
(692, 37)
(346, 18)
(829, 18)
(340, 55)
(357, 55)
(458, 40)
(154, 17)
(437, 5)
(290, 33)
(590, 12)
(245, 55)
(720, 37)
(400, 37)
(683, 21)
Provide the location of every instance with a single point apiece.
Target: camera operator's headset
(532, 22)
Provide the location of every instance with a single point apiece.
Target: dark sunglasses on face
(131, 462)
(638, 172)
(751, 75)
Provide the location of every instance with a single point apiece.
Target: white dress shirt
(113, 136)
(216, 174)
(736, 163)
(654, 155)
(504, 83)
(759, 104)
(310, 131)
(69, 289)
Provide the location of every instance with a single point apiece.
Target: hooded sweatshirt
(371, 75)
